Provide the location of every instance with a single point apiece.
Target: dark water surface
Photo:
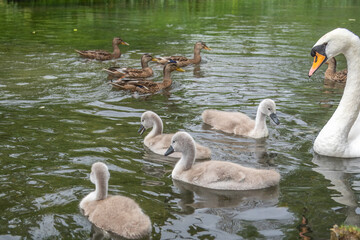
(58, 115)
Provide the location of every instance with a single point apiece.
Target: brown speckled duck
(147, 86)
(332, 75)
(183, 61)
(146, 71)
(103, 55)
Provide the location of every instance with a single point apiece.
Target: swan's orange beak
(319, 59)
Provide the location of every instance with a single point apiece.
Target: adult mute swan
(213, 174)
(340, 137)
(117, 214)
(240, 124)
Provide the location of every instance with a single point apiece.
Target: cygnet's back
(117, 214)
(158, 142)
(239, 123)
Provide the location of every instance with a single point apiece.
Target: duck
(144, 72)
(332, 75)
(158, 142)
(340, 137)
(148, 86)
(240, 124)
(183, 61)
(104, 55)
(218, 175)
(116, 214)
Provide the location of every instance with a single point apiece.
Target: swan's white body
(340, 137)
(218, 175)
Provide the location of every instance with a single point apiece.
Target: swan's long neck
(116, 52)
(187, 159)
(260, 122)
(197, 57)
(101, 187)
(157, 127)
(346, 113)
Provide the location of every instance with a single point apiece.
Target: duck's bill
(275, 119)
(169, 151)
(180, 69)
(319, 59)
(207, 48)
(125, 43)
(155, 60)
(141, 129)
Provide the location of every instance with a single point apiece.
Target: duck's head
(180, 142)
(99, 172)
(172, 66)
(201, 45)
(268, 107)
(147, 121)
(147, 58)
(118, 41)
(331, 44)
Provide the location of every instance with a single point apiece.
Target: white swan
(240, 124)
(340, 137)
(158, 142)
(117, 214)
(219, 175)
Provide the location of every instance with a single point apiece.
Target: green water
(58, 115)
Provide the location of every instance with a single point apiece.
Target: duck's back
(230, 122)
(228, 176)
(120, 215)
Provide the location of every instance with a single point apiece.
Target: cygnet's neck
(157, 128)
(101, 186)
(260, 123)
(187, 159)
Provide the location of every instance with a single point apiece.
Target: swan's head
(180, 142)
(118, 41)
(147, 121)
(331, 44)
(201, 45)
(147, 58)
(99, 173)
(268, 107)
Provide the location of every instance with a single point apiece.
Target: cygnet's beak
(275, 119)
(169, 151)
(141, 129)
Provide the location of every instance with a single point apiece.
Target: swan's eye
(173, 141)
(269, 109)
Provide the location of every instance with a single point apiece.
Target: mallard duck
(146, 71)
(239, 123)
(332, 75)
(214, 174)
(183, 61)
(146, 86)
(103, 55)
(158, 142)
(117, 214)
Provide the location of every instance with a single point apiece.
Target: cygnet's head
(180, 142)
(268, 107)
(99, 172)
(147, 121)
